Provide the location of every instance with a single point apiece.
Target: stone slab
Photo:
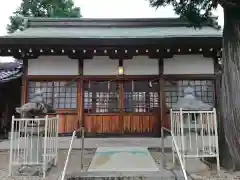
(122, 159)
(161, 175)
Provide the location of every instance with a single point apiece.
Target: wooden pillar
(217, 87)
(161, 94)
(217, 82)
(80, 103)
(121, 100)
(80, 95)
(24, 89)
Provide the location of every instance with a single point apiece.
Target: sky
(103, 9)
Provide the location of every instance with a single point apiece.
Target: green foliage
(195, 12)
(42, 8)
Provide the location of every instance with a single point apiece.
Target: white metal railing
(195, 133)
(82, 131)
(176, 149)
(34, 142)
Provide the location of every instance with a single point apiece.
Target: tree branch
(229, 3)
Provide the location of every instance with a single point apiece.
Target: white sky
(103, 9)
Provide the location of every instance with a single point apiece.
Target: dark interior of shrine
(10, 98)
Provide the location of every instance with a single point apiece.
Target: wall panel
(53, 65)
(141, 65)
(188, 64)
(100, 65)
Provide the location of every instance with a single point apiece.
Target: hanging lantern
(120, 70)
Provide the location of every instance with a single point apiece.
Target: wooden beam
(80, 67)
(114, 52)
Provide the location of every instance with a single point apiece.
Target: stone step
(161, 175)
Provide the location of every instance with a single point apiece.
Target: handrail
(82, 130)
(177, 150)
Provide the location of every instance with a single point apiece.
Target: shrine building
(115, 77)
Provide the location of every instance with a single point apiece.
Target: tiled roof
(125, 32)
(113, 28)
(10, 70)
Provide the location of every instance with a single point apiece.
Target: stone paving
(204, 174)
(55, 172)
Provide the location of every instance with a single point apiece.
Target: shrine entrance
(121, 107)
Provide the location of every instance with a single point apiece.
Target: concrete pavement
(93, 143)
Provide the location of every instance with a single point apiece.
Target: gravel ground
(203, 173)
(73, 166)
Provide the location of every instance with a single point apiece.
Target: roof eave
(164, 41)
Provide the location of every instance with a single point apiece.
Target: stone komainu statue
(36, 107)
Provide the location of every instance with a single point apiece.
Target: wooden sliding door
(102, 107)
(121, 107)
(141, 108)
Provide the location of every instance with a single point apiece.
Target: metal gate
(34, 143)
(196, 134)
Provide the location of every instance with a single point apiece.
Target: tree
(196, 12)
(42, 8)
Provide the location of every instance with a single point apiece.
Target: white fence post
(45, 146)
(216, 140)
(56, 140)
(11, 147)
(183, 148)
(172, 129)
